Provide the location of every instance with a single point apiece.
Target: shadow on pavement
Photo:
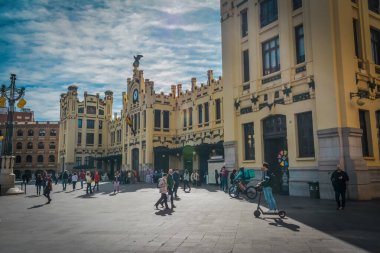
(32, 196)
(36, 206)
(278, 222)
(164, 212)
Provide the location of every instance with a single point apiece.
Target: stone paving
(205, 220)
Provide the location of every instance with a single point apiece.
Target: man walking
(186, 180)
(267, 187)
(88, 181)
(82, 178)
(339, 179)
(176, 182)
(65, 177)
(97, 180)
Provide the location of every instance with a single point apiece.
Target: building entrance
(275, 151)
(135, 162)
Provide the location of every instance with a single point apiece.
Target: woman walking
(162, 184)
(74, 180)
(116, 182)
(48, 189)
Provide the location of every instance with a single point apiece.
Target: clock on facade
(135, 95)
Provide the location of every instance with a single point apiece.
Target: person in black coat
(338, 180)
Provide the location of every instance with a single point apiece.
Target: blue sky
(51, 44)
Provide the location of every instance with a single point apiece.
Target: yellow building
(182, 129)
(302, 76)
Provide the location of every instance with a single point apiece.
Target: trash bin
(314, 190)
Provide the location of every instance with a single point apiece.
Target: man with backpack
(267, 187)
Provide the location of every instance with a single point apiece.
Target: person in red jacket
(82, 177)
(97, 180)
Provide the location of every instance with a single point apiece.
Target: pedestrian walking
(88, 181)
(176, 179)
(39, 184)
(65, 177)
(195, 178)
(97, 180)
(170, 182)
(74, 180)
(267, 182)
(82, 178)
(339, 180)
(48, 189)
(186, 180)
(116, 182)
(223, 179)
(129, 176)
(162, 184)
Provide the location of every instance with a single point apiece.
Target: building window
(166, 120)
(157, 118)
(90, 124)
(40, 159)
(249, 141)
(190, 116)
(30, 132)
(42, 132)
(101, 112)
(200, 116)
(52, 145)
(373, 5)
(41, 145)
(100, 124)
(20, 132)
(86, 160)
(271, 56)
(357, 41)
(297, 4)
(29, 145)
(244, 23)
(245, 66)
(19, 145)
(79, 141)
(300, 47)
(89, 139)
(53, 132)
(207, 117)
(305, 134)
(218, 114)
(29, 159)
(184, 118)
(80, 109)
(91, 109)
(51, 159)
(112, 138)
(375, 44)
(100, 141)
(365, 125)
(79, 123)
(78, 161)
(18, 159)
(144, 115)
(268, 12)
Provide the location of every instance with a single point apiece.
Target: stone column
(230, 155)
(7, 178)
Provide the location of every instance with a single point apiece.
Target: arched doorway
(161, 159)
(135, 162)
(275, 143)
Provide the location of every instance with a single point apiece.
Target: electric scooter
(259, 211)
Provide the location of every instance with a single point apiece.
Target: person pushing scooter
(267, 188)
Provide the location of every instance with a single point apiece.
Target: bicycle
(235, 190)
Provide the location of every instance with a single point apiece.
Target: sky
(52, 44)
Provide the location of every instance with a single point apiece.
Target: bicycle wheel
(251, 192)
(233, 191)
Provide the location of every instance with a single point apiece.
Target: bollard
(25, 188)
(0, 189)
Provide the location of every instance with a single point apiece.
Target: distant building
(35, 144)
(155, 131)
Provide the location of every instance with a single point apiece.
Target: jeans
(39, 189)
(97, 186)
(223, 184)
(337, 196)
(170, 191)
(175, 189)
(81, 183)
(163, 200)
(269, 198)
(88, 187)
(74, 183)
(186, 184)
(64, 184)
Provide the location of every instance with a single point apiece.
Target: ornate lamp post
(11, 94)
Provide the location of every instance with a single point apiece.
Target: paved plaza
(205, 220)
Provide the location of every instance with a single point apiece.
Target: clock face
(135, 95)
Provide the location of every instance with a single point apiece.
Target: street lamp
(11, 94)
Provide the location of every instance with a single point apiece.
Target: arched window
(29, 159)
(42, 132)
(30, 145)
(40, 159)
(20, 132)
(18, 159)
(41, 145)
(19, 145)
(52, 145)
(30, 132)
(53, 132)
(51, 159)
